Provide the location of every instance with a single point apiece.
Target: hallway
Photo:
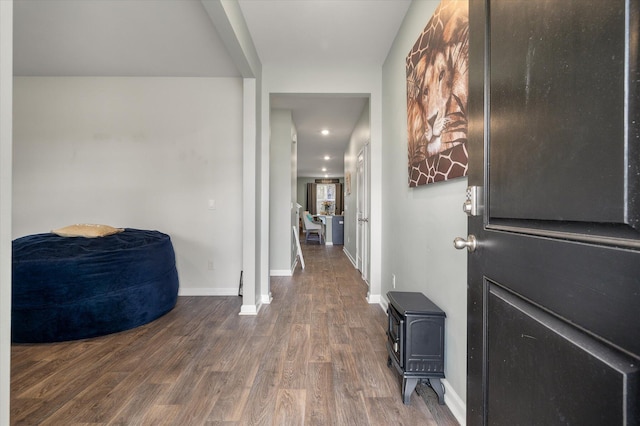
(347, 338)
(314, 356)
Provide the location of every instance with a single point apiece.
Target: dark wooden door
(554, 284)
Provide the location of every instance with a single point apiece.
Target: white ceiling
(320, 32)
(178, 38)
(117, 38)
(311, 114)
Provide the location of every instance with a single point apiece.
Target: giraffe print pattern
(446, 33)
(453, 162)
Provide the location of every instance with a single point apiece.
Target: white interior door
(362, 213)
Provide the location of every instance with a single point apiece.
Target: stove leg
(436, 385)
(408, 386)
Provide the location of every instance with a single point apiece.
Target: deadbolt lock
(474, 201)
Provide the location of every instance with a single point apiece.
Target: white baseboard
(231, 291)
(280, 273)
(351, 259)
(374, 299)
(249, 310)
(457, 407)
(266, 299)
(384, 304)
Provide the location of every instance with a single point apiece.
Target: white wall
(359, 138)
(281, 193)
(6, 89)
(293, 194)
(143, 153)
(231, 27)
(251, 221)
(421, 223)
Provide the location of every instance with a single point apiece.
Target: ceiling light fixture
(324, 169)
(324, 132)
(326, 157)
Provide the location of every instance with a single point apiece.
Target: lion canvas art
(437, 89)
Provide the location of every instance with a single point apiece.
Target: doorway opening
(311, 155)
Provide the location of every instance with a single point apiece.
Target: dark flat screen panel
(557, 111)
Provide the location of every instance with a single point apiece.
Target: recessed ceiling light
(324, 169)
(326, 175)
(324, 132)
(326, 157)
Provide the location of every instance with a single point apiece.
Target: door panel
(595, 288)
(362, 213)
(554, 140)
(542, 94)
(549, 361)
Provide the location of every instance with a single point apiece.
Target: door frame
(363, 228)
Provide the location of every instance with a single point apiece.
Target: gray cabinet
(338, 230)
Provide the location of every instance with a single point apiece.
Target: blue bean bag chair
(68, 288)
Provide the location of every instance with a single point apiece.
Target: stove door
(395, 335)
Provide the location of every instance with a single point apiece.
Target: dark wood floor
(314, 356)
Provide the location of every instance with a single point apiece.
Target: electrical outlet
(393, 280)
(210, 265)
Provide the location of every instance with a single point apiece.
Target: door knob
(470, 243)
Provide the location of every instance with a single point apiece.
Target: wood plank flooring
(314, 356)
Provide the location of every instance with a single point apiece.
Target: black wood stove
(415, 341)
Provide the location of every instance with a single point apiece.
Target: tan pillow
(87, 230)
